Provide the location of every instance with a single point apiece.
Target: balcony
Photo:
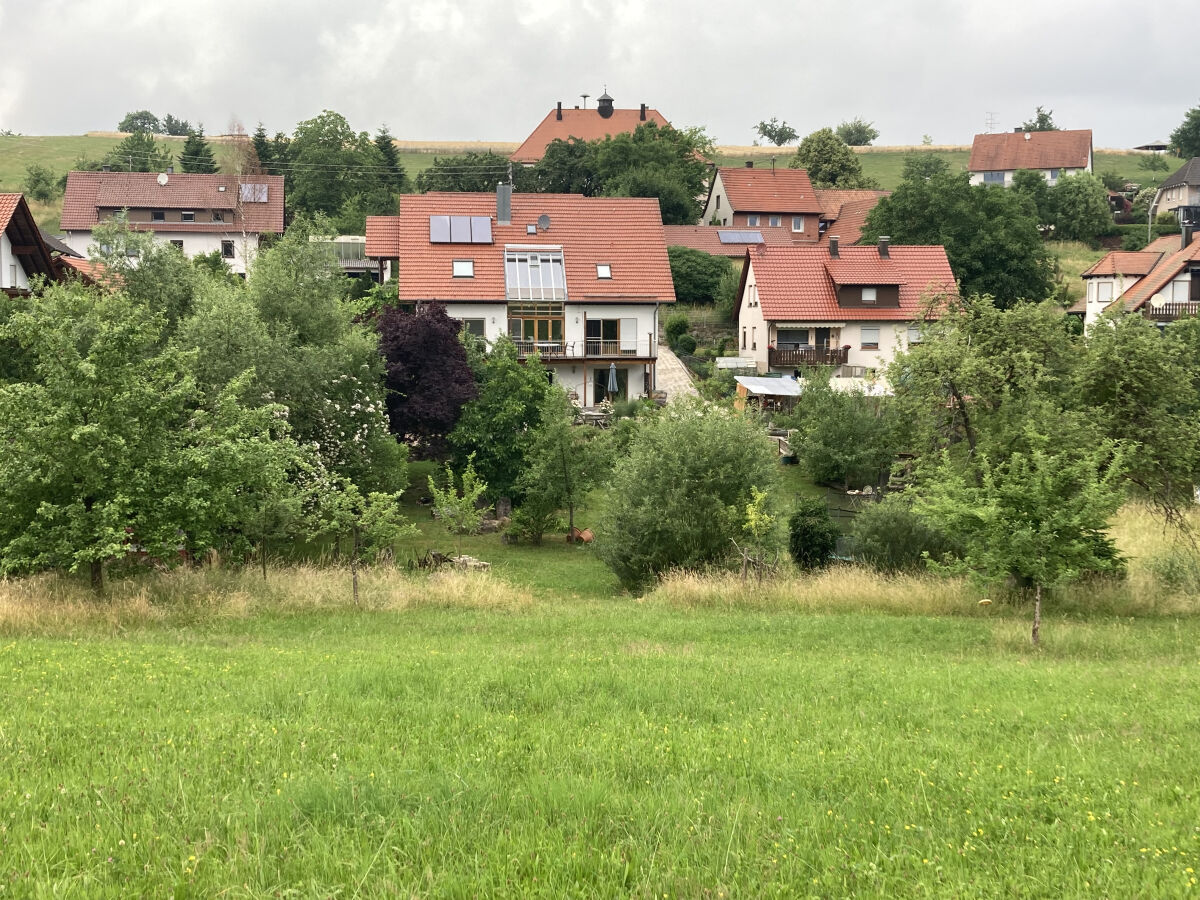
(794, 357)
(1169, 312)
(647, 348)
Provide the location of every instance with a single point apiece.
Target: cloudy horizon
(464, 70)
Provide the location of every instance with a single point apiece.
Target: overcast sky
(490, 69)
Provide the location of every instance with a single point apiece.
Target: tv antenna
(990, 122)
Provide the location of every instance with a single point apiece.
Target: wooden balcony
(1170, 312)
(797, 357)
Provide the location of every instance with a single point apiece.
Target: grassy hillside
(885, 164)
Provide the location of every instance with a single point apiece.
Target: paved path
(673, 376)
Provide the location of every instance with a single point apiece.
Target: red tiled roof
(864, 268)
(8, 206)
(88, 270)
(707, 239)
(794, 282)
(1043, 150)
(1166, 243)
(18, 223)
(89, 192)
(1124, 262)
(832, 200)
(1163, 274)
(584, 124)
(850, 220)
(779, 190)
(624, 232)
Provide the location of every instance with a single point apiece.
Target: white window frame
(870, 295)
(774, 221)
(463, 268)
(1104, 288)
(863, 333)
(752, 221)
(797, 224)
(914, 334)
(187, 215)
(604, 270)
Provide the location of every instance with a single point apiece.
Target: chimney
(1018, 130)
(170, 170)
(503, 204)
(643, 112)
(1185, 234)
(833, 246)
(749, 164)
(558, 115)
(883, 246)
(106, 168)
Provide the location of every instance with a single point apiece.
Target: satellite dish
(1158, 301)
(544, 222)
(162, 179)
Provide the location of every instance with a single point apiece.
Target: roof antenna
(585, 96)
(772, 165)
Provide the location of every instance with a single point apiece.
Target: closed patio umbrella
(613, 385)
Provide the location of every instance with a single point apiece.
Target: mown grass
(208, 733)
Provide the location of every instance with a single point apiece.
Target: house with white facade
(199, 214)
(1171, 289)
(1181, 189)
(577, 280)
(771, 198)
(995, 158)
(23, 253)
(1118, 272)
(850, 308)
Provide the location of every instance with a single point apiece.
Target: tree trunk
(1037, 614)
(97, 575)
(354, 565)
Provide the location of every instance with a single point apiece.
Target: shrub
(677, 324)
(890, 537)
(812, 536)
(678, 499)
(686, 344)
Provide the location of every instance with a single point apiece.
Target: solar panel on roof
(481, 230)
(439, 229)
(740, 237)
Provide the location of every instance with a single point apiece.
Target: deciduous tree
(1185, 140)
(857, 132)
(778, 133)
(1081, 210)
(428, 377)
(140, 120)
(830, 163)
(1043, 120)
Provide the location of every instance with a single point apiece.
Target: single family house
(851, 308)
(995, 158)
(23, 253)
(776, 198)
(199, 214)
(1180, 190)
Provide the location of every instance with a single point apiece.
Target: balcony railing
(646, 348)
(795, 357)
(1169, 312)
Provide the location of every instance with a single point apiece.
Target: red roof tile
(707, 238)
(584, 124)
(90, 192)
(624, 232)
(1163, 274)
(1042, 150)
(1125, 262)
(850, 219)
(8, 205)
(794, 282)
(832, 200)
(864, 268)
(779, 190)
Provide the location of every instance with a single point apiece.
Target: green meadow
(530, 731)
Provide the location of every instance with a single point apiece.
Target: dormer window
(603, 270)
(187, 215)
(868, 295)
(157, 215)
(752, 221)
(775, 221)
(797, 223)
(218, 216)
(464, 268)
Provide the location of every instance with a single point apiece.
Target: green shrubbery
(812, 536)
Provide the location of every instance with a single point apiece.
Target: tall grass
(54, 603)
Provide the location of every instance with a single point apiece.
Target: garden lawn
(591, 748)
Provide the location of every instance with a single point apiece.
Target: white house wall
(194, 244)
(977, 177)
(1107, 286)
(718, 204)
(752, 331)
(12, 273)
